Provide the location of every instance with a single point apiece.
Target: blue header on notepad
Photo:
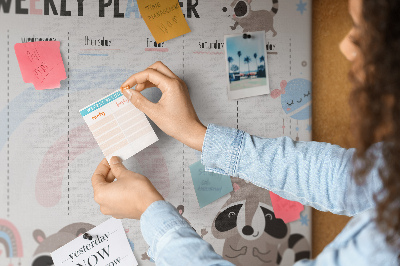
(100, 103)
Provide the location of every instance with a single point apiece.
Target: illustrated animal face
(249, 20)
(249, 214)
(252, 233)
(296, 102)
(53, 242)
(240, 8)
(248, 224)
(233, 218)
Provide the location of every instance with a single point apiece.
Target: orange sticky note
(164, 18)
(41, 64)
(284, 209)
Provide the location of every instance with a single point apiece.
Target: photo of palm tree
(246, 62)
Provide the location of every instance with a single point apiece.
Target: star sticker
(308, 128)
(301, 7)
(304, 219)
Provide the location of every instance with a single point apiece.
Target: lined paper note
(118, 126)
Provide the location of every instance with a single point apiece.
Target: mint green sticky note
(209, 186)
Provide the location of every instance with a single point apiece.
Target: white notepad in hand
(118, 126)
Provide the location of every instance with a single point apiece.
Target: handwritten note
(118, 126)
(284, 209)
(209, 186)
(41, 64)
(108, 246)
(164, 18)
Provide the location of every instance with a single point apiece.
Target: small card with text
(108, 246)
(164, 19)
(209, 186)
(118, 126)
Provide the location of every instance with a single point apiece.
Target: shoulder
(362, 241)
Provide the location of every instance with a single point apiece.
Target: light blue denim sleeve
(313, 173)
(172, 240)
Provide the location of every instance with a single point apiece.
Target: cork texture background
(331, 88)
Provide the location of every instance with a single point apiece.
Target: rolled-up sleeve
(313, 173)
(172, 240)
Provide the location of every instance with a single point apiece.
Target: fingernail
(127, 93)
(115, 160)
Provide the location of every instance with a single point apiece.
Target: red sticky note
(41, 64)
(284, 209)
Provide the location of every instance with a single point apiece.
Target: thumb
(138, 100)
(117, 167)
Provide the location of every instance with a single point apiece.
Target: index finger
(100, 174)
(159, 80)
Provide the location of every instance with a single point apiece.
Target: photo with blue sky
(246, 61)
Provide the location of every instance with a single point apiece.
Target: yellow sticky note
(164, 18)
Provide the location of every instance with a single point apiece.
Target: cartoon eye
(300, 100)
(269, 216)
(290, 103)
(231, 214)
(308, 94)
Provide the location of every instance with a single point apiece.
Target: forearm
(173, 241)
(312, 173)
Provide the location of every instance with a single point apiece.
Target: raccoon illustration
(251, 20)
(252, 233)
(53, 242)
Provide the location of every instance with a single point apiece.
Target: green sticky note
(209, 186)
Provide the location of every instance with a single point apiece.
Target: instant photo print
(246, 63)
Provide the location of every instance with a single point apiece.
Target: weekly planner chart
(51, 140)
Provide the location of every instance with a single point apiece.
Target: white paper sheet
(118, 126)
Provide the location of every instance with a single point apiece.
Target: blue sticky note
(209, 186)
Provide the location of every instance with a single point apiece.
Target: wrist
(146, 205)
(197, 137)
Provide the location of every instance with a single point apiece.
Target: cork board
(331, 89)
(44, 131)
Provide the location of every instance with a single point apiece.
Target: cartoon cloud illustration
(296, 98)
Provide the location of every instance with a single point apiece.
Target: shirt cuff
(159, 218)
(222, 148)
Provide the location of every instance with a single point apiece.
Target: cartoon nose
(288, 109)
(224, 9)
(247, 230)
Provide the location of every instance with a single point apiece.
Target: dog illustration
(55, 241)
(253, 236)
(251, 20)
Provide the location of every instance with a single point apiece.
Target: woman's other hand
(127, 197)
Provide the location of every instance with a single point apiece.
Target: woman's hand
(127, 197)
(174, 112)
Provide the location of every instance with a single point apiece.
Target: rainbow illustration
(10, 238)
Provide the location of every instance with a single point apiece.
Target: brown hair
(375, 103)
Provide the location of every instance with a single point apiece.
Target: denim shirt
(313, 173)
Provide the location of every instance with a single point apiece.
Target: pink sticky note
(41, 64)
(286, 210)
